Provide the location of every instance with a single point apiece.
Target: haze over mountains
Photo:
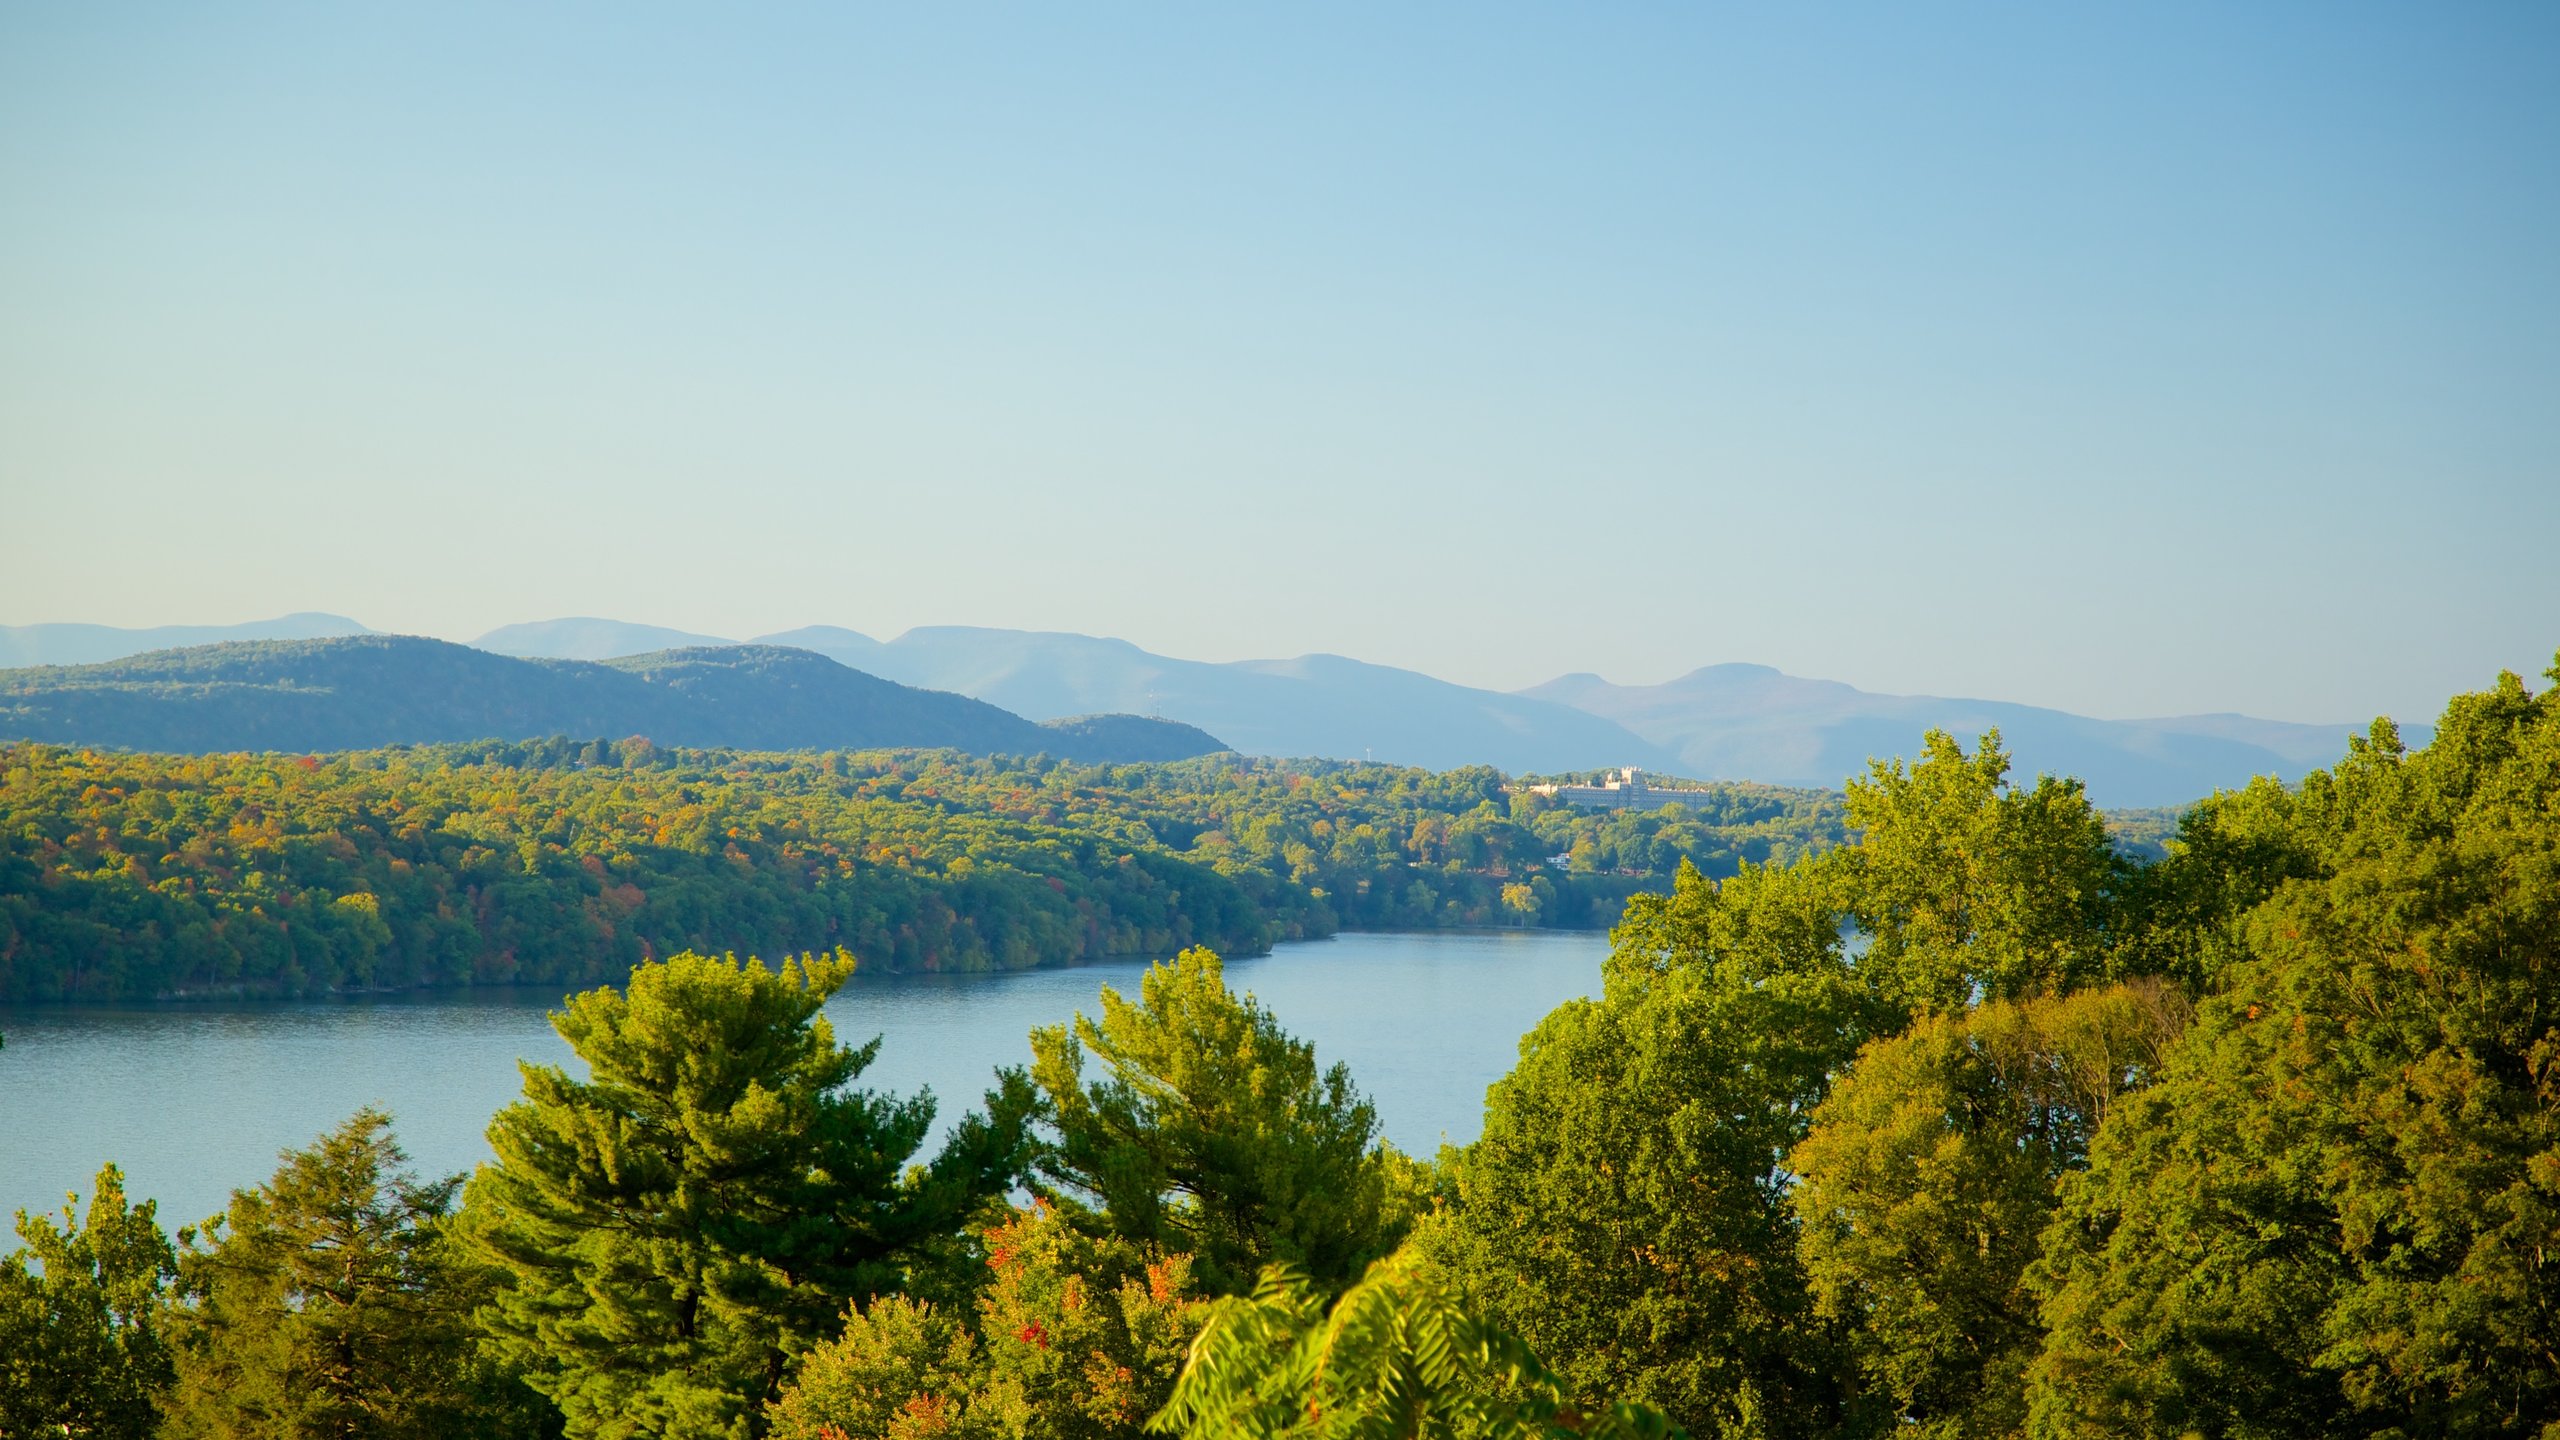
(1731, 720)
(1744, 722)
(365, 691)
(90, 644)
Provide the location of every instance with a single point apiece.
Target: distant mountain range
(373, 690)
(1749, 720)
(1313, 705)
(90, 644)
(583, 637)
(1726, 722)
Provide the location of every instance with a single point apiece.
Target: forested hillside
(373, 690)
(1967, 1127)
(567, 862)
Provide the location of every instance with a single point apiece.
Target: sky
(2185, 358)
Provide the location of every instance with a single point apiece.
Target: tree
(2336, 1213)
(1075, 1337)
(1625, 1211)
(676, 1227)
(1928, 1177)
(81, 1345)
(1399, 1355)
(1212, 1132)
(1968, 887)
(2187, 916)
(329, 1302)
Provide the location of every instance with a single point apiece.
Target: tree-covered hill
(372, 690)
(565, 862)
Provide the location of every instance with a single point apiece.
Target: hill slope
(94, 644)
(1313, 705)
(1750, 721)
(375, 690)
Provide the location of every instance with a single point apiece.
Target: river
(194, 1099)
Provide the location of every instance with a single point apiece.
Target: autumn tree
(1073, 1337)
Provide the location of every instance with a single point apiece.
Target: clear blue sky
(2186, 358)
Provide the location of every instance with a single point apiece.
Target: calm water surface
(193, 1100)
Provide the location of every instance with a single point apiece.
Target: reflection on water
(194, 1099)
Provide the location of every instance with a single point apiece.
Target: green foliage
(1929, 1174)
(1977, 1126)
(1966, 885)
(1399, 1355)
(2337, 1212)
(703, 1206)
(81, 1345)
(329, 1302)
(2187, 915)
(1625, 1211)
(362, 690)
(1211, 1131)
(1074, 1338)
(566, 862)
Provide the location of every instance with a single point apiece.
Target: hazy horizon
(2425, 717)
(2183, 361)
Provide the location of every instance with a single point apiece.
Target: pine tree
(1212, 1132)
(329, 1302)
(679, 1225)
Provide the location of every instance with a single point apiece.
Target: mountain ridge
(84, 644)
(1310, 705)
(1735, 720)
(588, 637)
(362, 692)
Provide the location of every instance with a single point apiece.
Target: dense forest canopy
(1971, 1125)
(566, 862)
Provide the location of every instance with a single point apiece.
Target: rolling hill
(374, 690)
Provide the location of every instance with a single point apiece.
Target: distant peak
(1734, 670)
(926, 634)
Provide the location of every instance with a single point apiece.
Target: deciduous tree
(1625, 1212)
(1400, 1356)
(82, 1349)
(1968, 887)
(2338, 1212)
(1929, 1175)
(1074, 1337)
